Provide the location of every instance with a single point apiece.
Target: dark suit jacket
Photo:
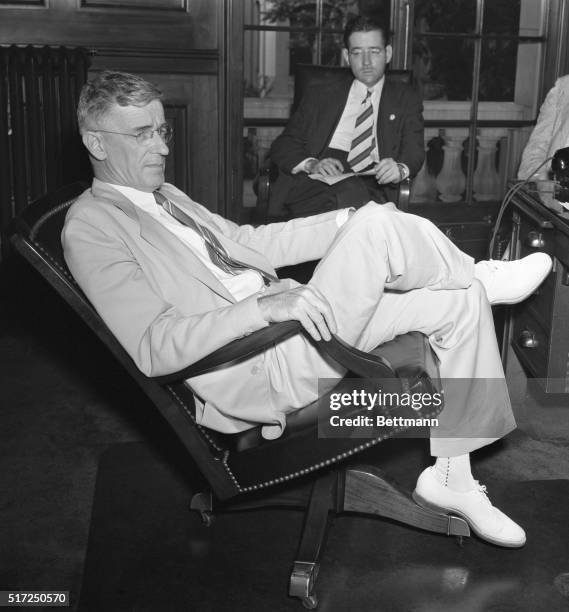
(310, 129)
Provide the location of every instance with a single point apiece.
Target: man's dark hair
(365, 24)
(108, 88)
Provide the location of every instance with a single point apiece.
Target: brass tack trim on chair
(48, 215)
(204, 433)
(55, 263)
(317, 466)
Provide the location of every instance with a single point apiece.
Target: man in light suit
(550, 133)
(155, 265)
(319, 135)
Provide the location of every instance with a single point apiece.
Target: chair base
(360, 488)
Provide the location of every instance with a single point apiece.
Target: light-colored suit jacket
(167, 309)
(550, 133)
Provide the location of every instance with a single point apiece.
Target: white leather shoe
(473, 506)
(510, 282)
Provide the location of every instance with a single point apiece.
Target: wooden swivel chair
(310, 75)
(243, 470)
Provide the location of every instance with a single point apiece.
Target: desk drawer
(530, 342)
(540, 303)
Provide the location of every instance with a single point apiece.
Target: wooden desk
(538, 328)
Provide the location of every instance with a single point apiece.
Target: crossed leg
(385, 274)
(388, 273)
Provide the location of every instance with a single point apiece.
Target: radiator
(40, 148)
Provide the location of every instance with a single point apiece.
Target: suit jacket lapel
(332, 111)
(159, 237)
(385, 125)
(237, 250)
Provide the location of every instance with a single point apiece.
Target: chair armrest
(404, 194)
(267, 175)
(356, 361)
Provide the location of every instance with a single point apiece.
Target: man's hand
(305, 304)
(387, 171)
(327, 166)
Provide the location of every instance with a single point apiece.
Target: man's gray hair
(109, 88)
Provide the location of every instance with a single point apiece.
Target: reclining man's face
(122, 159)
(368, 56)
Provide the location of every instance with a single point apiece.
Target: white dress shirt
(344, 133)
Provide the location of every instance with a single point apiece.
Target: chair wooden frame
(243, 470)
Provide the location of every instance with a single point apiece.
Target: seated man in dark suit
(364, 124)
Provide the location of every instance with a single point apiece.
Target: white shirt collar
(142, 199)
(361, 88)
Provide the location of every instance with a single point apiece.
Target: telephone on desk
(553, 192)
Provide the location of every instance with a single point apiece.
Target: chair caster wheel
(310, 602)
(208, 519)
(302, 581)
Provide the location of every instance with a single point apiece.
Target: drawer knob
(535, 240)
(528, 340)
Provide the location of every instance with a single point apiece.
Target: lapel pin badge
(391, 117)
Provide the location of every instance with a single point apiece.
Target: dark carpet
(147, 552)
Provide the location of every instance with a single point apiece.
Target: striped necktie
(216, 251)
(363, 142)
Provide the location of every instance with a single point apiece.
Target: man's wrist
(403, 171)
(310, 165)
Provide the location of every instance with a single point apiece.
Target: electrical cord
(506, 202)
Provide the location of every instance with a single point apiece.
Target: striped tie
(216, 251)
(363, 142)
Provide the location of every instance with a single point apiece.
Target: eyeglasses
(374, 52)
(145, 136)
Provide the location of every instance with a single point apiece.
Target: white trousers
(388, 273)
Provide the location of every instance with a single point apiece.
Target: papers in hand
(332, 180)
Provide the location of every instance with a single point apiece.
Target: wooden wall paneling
(231, 117)
(198, 94)
(177, 49)
(67, 22)
(157, 61)
(177, 170)
(206, 161)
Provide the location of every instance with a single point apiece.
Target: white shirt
(344, 133)
(240, 285)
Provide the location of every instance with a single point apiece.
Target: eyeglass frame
(142, 137)
(373, 51)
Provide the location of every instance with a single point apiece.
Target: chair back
(312, 75)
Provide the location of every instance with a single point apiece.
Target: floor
(64, 403)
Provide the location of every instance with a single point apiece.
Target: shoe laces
(482, 489)
(493, 264)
